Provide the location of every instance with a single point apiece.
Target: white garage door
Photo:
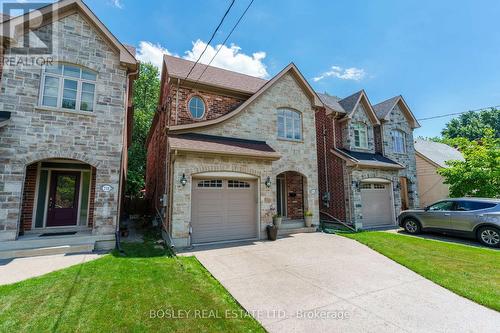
(377, 204)
(223, 210)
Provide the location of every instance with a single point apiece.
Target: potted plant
(277, 218)
(308, 216)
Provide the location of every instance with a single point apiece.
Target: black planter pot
(272, 232)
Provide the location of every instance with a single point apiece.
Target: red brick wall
(377, 135)
(295, 204)
(330, 177)
(92, 198)
(28, 197)
(216, 105)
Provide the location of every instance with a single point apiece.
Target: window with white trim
(68, 87)
(289, 124)
(360, 135)
(398, 142)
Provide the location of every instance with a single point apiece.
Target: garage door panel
(377, 204)
(224, 213)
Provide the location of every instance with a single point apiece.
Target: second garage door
(223, 210)
(377, 204)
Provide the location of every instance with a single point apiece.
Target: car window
(443, 205)
(473, 205)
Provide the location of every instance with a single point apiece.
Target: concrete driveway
(326, 283)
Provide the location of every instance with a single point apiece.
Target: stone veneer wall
(359, 116)
(398, 121)
(37, 133)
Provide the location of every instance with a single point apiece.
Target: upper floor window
(68, 87)
(289, 124)
(360, 135)
(197, 107)
(398, 142)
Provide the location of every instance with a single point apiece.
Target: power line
(211, 38)
(459, 113)
(225, 40)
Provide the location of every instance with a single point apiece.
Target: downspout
(117, 227)
(177, 101)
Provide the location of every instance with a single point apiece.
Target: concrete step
(46, 251)
(34, 242)
(292, 224)
(283, 232)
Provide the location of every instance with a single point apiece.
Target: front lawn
(118, 294)
(471, 272)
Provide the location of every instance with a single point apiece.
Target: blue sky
(442, 56)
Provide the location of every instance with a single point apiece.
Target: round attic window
(196, 107)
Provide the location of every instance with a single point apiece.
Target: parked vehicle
(476, 218)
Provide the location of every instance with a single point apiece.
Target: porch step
(289, 231)
(34, 242)
(292, 224)
(45, 251)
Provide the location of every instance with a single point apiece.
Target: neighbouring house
(366, 160)
(226, 151)
(430, 157)
(64, 128)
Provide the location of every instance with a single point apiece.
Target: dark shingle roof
(382, 109)
(219, 77)
(376, 157)
(349, 102)
(331, 101)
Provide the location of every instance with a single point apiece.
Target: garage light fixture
(268, 182)
(183, 180)
(356, 184)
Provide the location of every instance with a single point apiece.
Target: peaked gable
(62, 9)
(350, 105)
(291, 68)
(383, 110)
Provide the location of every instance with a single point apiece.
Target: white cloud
(117, 3)
(230, 58)
(351, 73)
(153, 53)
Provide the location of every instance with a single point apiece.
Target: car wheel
(489, 236)
(412, 226)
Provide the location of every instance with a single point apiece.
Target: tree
(145, 99)
(479, 174)
(472, 125)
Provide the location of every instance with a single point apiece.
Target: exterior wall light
(268, 182)
(355, 184)
(184, 180)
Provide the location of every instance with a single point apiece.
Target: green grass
(116, 294)
(469, 271)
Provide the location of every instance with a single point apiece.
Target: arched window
(289, 124)
(197, 107)
(398, 142)
(360, 135)
(68, 87)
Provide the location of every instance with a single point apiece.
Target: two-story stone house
(226, 151)
(64, 133)
(366, 159)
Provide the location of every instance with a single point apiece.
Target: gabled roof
(213, 76)
(291, 68)
(436, 152)
(62, 9)
(211, 144)
(367, 160)
(350, 103)
(383, 110)
(331, 102)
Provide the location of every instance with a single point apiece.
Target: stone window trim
(300, 132)
(188, 100)
(76, 113)
(399, 147)
(362, 141)
(80, 91)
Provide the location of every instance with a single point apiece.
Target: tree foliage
(145, 99)
(479, 174)
(473, 125)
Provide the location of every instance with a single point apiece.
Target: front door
(63, 199)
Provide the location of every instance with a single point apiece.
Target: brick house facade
(63, 159)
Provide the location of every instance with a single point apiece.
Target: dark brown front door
(63, 199)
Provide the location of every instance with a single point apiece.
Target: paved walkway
(14, 270)
(327, 283)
